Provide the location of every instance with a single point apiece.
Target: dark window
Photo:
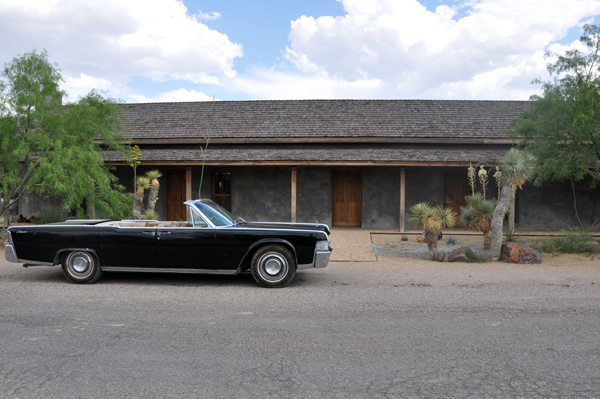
(221, 192)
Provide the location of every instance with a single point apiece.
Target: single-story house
(360, 163)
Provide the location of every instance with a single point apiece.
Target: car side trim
(167, 270)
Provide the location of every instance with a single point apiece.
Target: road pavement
(396, 328)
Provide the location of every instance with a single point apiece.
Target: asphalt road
(353, 330)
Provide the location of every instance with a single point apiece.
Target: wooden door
(176, 210)
(347, 198)
(456, 188)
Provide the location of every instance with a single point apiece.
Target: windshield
(217, 215)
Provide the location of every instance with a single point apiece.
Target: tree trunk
(506, 197)
(137, 203)
(431, 238)
(153, 195)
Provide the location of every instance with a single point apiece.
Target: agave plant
(142, 183)
(478, 215)
(153, 176)
(433, 220)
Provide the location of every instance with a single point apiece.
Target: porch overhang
(312, 157)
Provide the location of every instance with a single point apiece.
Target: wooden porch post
(402, 198)
(293, 194)
(188, 189)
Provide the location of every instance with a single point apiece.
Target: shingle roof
(299, 119)
(315, 156)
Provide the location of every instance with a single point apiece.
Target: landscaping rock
(458, 255)
(441, 257)
(520, 254)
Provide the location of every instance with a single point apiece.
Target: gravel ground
(392, 245)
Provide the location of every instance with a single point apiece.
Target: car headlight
(322, 245)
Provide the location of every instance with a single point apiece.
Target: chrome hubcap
(273, 267)
(80, 262)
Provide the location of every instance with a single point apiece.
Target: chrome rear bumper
(10, 254)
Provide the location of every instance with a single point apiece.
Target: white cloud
(417, 53)
(270, 84)
(180, 95)
(209, 16)
(82, 85)
(113, 40)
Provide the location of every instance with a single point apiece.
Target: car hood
(286, 226)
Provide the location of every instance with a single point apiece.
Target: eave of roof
(324, 157)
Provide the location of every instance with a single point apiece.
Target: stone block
(458, 255)
(520, 254)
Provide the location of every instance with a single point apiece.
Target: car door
(186, 247)
(131, 247)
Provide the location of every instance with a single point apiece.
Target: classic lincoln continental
(213, 241)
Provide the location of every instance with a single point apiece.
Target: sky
(200, 50)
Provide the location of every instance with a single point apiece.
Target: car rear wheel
(273, 266)
(81, 267)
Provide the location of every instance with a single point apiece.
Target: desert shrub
(50, 215)
(572, 241)
(3, 234)
(472, 257)
(404, 238)
(510, 236)
(450, 240)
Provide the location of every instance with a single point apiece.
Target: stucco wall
(423, 185)
(314, 194)
(262, 193)
(551, 206)
(380, 197)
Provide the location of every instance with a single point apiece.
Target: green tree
(55, 150)
(563, 129)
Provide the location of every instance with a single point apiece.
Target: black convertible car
(213, 241)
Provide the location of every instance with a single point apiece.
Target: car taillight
(9, 239)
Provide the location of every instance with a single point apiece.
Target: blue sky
(194, 50)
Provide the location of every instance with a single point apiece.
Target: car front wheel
(273, 266)
(81, 267)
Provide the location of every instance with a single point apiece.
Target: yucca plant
(516, 167)
(151, 215)
(142, 183)
(433, 220)
(478, 215)
(153, 176)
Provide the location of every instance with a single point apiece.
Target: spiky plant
(433, 220)
(153, 176)
(142, 183)
(151, 215)
(477, 215)
(517, 167)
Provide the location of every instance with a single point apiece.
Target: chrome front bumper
(10, 254)
(321, 259)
